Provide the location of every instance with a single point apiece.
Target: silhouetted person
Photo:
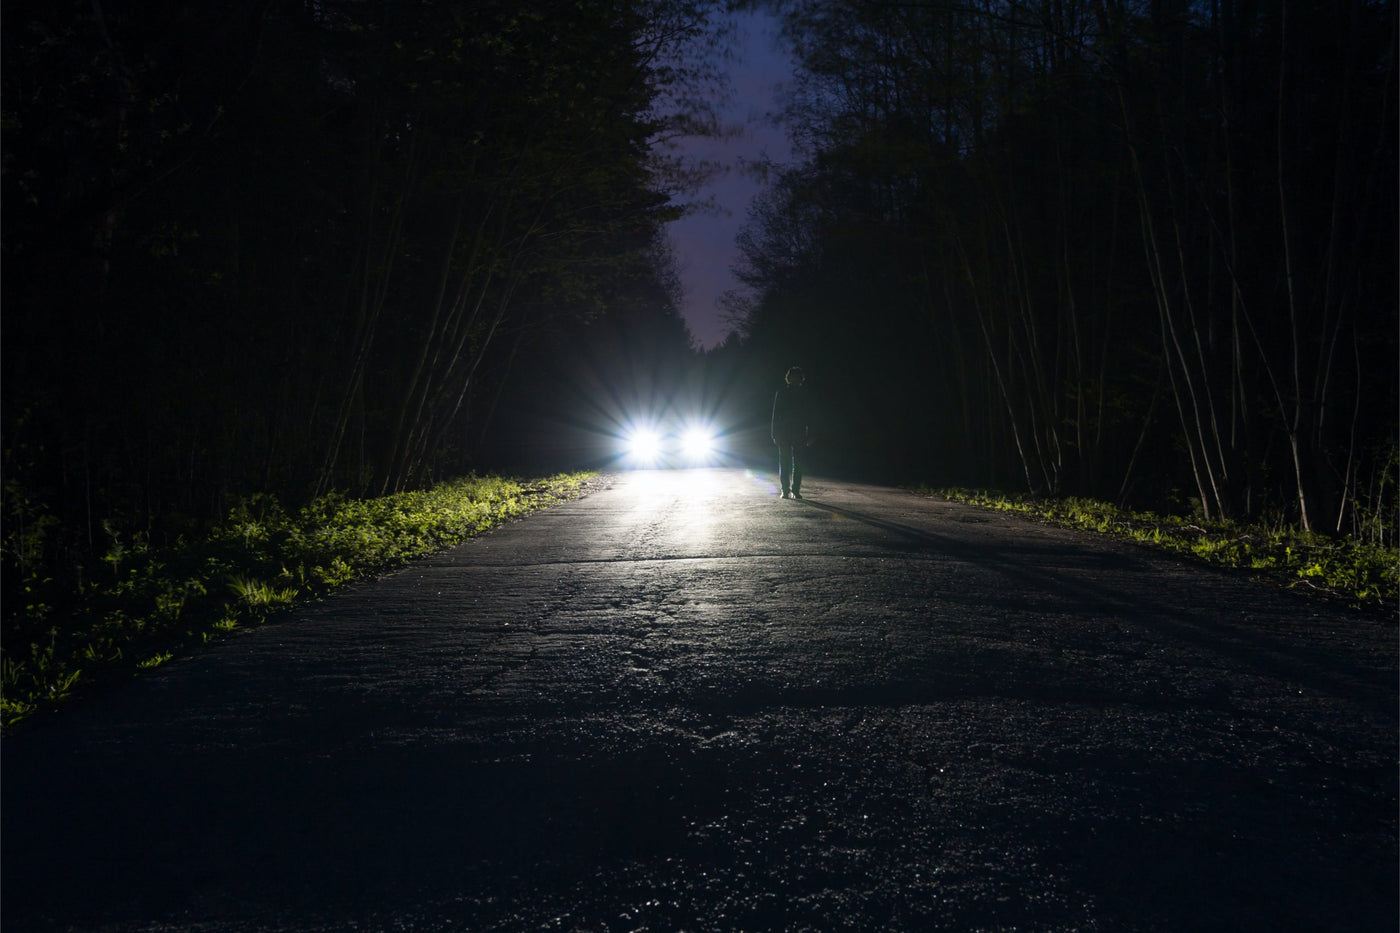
(792, 431)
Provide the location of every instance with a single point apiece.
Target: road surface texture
(682, 703)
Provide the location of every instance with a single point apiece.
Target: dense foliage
(1142, 251)
(290, 247)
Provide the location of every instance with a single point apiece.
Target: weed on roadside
(1364, 575)
(152, 604)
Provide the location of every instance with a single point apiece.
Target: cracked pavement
(681, 703)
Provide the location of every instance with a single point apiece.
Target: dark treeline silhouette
(576, 388)
(287, 247)
(1138, 250)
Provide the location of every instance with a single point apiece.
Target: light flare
(698, 443)
(644, 445)
(689, 444)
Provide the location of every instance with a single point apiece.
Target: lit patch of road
(684, 703)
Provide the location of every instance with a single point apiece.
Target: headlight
(644, 444)
(698, 442)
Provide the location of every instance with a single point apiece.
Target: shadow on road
(1121, 581)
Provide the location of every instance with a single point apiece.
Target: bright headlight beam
(670, 444)
(644, 444)
(698, 442)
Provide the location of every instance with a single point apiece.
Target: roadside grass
(1365, 576)
(154, 604)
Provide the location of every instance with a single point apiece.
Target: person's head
(795, 376)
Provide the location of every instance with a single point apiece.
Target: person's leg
(785, 467)
(796, 470)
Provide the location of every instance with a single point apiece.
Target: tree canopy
(292, 246)
(1137, 250)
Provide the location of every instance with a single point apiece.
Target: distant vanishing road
(681, 703)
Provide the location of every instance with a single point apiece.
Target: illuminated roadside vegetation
(148, 604)
(1365, 575)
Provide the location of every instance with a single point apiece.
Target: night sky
(704, 242)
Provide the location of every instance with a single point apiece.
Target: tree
(287, 246)
(1105, 213)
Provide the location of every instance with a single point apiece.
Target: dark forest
(1144, 252)
(285, 248)
(1141, 251)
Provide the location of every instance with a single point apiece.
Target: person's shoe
(796, 494)
(786, 494)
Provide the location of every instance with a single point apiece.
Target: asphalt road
(681, 703)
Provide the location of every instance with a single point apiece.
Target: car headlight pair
(695, 443)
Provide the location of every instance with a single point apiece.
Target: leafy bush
(158, 602)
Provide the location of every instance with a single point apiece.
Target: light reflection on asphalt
(681, 702)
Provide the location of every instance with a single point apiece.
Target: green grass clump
(153, 603)
(1365, 575)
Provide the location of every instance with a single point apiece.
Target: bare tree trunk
(1294, 422)
(373, 294)
(1178, 369)
(996, 368)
